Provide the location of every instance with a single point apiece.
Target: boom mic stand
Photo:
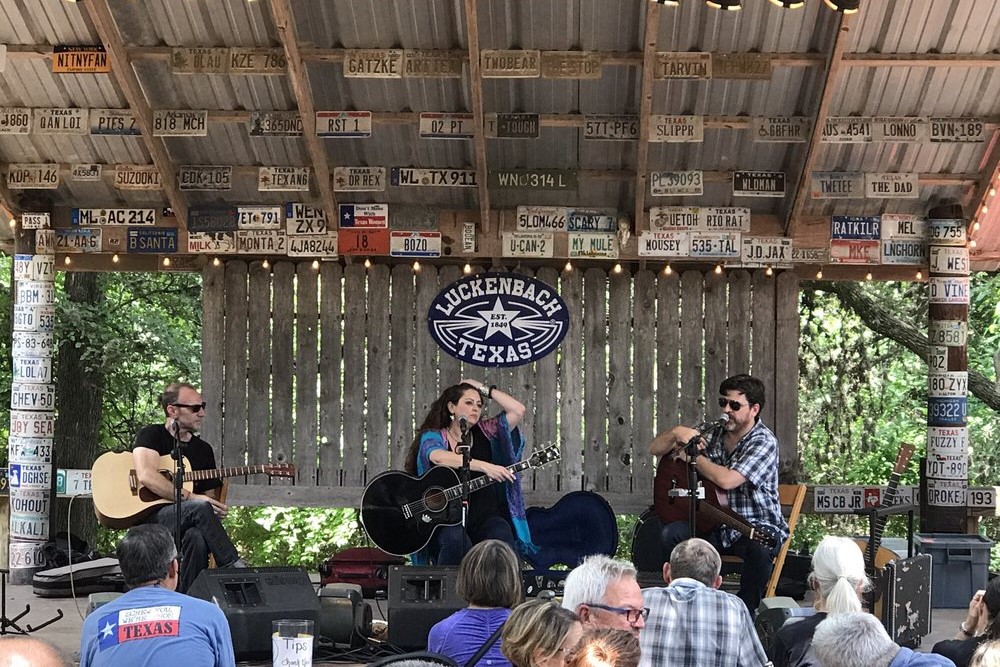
(178, 456)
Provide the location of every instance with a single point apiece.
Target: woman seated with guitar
(838, 579)
(496, 512)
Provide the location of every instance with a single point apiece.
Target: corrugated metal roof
(615, 27)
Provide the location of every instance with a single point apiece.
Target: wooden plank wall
(333, 369)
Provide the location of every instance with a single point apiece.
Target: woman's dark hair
(437, 418)
(991, 598)
(490, 576)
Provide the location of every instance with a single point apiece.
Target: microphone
(463, 423)
(707, 426)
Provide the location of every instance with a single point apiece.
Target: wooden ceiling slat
(122, 71)
(299, 79)
(476, 93)
(834, 62)
(645, 107)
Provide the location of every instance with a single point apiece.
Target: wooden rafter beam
(121, 69)
(299, 79)
(621, 58)
(802, 185)
(476, 93)
(645, 108)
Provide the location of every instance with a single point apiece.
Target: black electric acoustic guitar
(400, 512)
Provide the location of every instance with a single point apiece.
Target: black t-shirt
(491, 501)
(198, 452)
(793, 640)
(959, 651)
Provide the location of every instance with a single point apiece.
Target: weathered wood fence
(329, 368)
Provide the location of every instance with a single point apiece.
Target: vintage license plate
(352, 241)
(283, 179)
(446, 125)
(33, 176)
(305, 220)
(847, 129)
(114, 122)
(415, 244)
(157, 240)
(27, 396)
(84, 217)
(313, 246)
(61, 121)
(664, 128)
(274, 124)
(528, 244)
(211, 242)
(611, 128)
(673, 218)
(664, 244)
(358, 179)
(341, 124)
(258, 217)
(681, 183)
(196, 177)
(716, 246)
(583, 244)
(180, 123)
(34, 318)
(78, 240)
(32, 425)
(35, 293)
(15, 120)
(454, 178)
(138, 177)
(261, 242)
(31, 450)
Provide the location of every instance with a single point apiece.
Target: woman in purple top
(489, 579)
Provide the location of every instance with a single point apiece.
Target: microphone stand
(691, 449)
(178, 456)
(465, 449)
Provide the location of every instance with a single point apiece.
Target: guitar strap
(485, 647)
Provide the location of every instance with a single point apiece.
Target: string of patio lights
(845, 6)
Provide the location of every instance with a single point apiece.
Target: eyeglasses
(195, 407)
(631, 615)
(735, 406)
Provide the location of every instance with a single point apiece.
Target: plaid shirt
(692, 625)
(756, 458)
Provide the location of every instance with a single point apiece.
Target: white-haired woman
(838, 579)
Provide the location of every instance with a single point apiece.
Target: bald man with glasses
(741, 458)
(202, 532)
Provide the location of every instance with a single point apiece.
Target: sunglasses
(195, 407)
(735, 406)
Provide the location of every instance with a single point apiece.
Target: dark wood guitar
(400, 512)
(713, 510)
(876, 556)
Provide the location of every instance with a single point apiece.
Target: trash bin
(960, 566)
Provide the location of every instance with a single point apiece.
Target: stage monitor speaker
(419, 597)
(253, 597)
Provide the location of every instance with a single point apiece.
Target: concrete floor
(65, 633)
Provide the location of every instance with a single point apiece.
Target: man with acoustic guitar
(740, 457)
(201, 511)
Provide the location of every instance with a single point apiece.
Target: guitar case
(367, 567)
(97, 576)
(580, 524)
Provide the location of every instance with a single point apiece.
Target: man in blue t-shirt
(152, 624)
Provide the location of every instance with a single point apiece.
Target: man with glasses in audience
(604, 593)
(201, 510)
(691, 623)
(741, 458)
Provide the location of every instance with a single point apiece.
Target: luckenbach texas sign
(498, 319)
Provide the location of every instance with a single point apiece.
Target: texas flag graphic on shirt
(145, 623)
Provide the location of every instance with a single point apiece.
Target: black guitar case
(581, 523)
(96, 576)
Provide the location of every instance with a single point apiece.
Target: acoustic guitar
(120, 501)
(712, 510)
(876, 556)
(400, 512)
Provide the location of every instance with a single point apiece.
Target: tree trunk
(881, 319)
(79, 397)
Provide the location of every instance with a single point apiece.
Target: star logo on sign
(498, 320)
(107, 630)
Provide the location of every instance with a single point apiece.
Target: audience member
(29, 652)
(605, 594)
(153, 625)
(692, 623)
(489, 579)
(858, 640)
(987, 655)
(606, 647)
(981, 624)
(540, 633)
(838, 579)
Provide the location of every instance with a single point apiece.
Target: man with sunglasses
(691, 622)
(201, 510)
(741, 458)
